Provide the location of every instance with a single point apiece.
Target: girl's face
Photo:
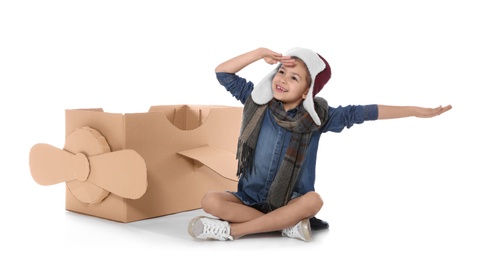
(290, 84)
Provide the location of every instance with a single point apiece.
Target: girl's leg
(297, 209)
(227, 206)
(245, 220)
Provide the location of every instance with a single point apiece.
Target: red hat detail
(322, 77)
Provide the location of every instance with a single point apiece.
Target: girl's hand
(424, 112)
(272, 57)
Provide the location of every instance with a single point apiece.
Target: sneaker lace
(293, 232)
(217, 231)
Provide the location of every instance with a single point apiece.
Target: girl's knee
(207, 201)
(211, 202)
(313, 200)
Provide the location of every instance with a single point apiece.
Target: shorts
(260, 206)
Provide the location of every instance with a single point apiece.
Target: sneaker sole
(192, 224)
(306, 229)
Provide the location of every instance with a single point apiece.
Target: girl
(277, 148)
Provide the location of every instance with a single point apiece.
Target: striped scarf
(301, 126)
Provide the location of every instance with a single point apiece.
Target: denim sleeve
(341, 117)
(239, 87)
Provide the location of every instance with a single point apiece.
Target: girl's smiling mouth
(280, 89)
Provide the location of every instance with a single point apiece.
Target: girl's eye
(280, 71)
(295, 78)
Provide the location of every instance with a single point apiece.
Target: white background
(396, 189)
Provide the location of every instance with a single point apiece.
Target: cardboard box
(135, 166)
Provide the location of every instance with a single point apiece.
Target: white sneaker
(300, 231)
(207, 228)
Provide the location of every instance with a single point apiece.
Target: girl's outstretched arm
(391, 112)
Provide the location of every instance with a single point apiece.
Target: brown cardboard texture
(135, 166)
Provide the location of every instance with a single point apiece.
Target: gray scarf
(301, 127)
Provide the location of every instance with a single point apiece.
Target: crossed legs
(245, 220)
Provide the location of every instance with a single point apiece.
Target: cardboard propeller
(89, 168)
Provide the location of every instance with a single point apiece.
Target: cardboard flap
(220, 161)
(187, 118)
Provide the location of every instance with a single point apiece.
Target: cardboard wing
(217, 160)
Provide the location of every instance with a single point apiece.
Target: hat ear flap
(309, 107)
(263, 92)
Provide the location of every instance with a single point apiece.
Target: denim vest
(273, 141)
